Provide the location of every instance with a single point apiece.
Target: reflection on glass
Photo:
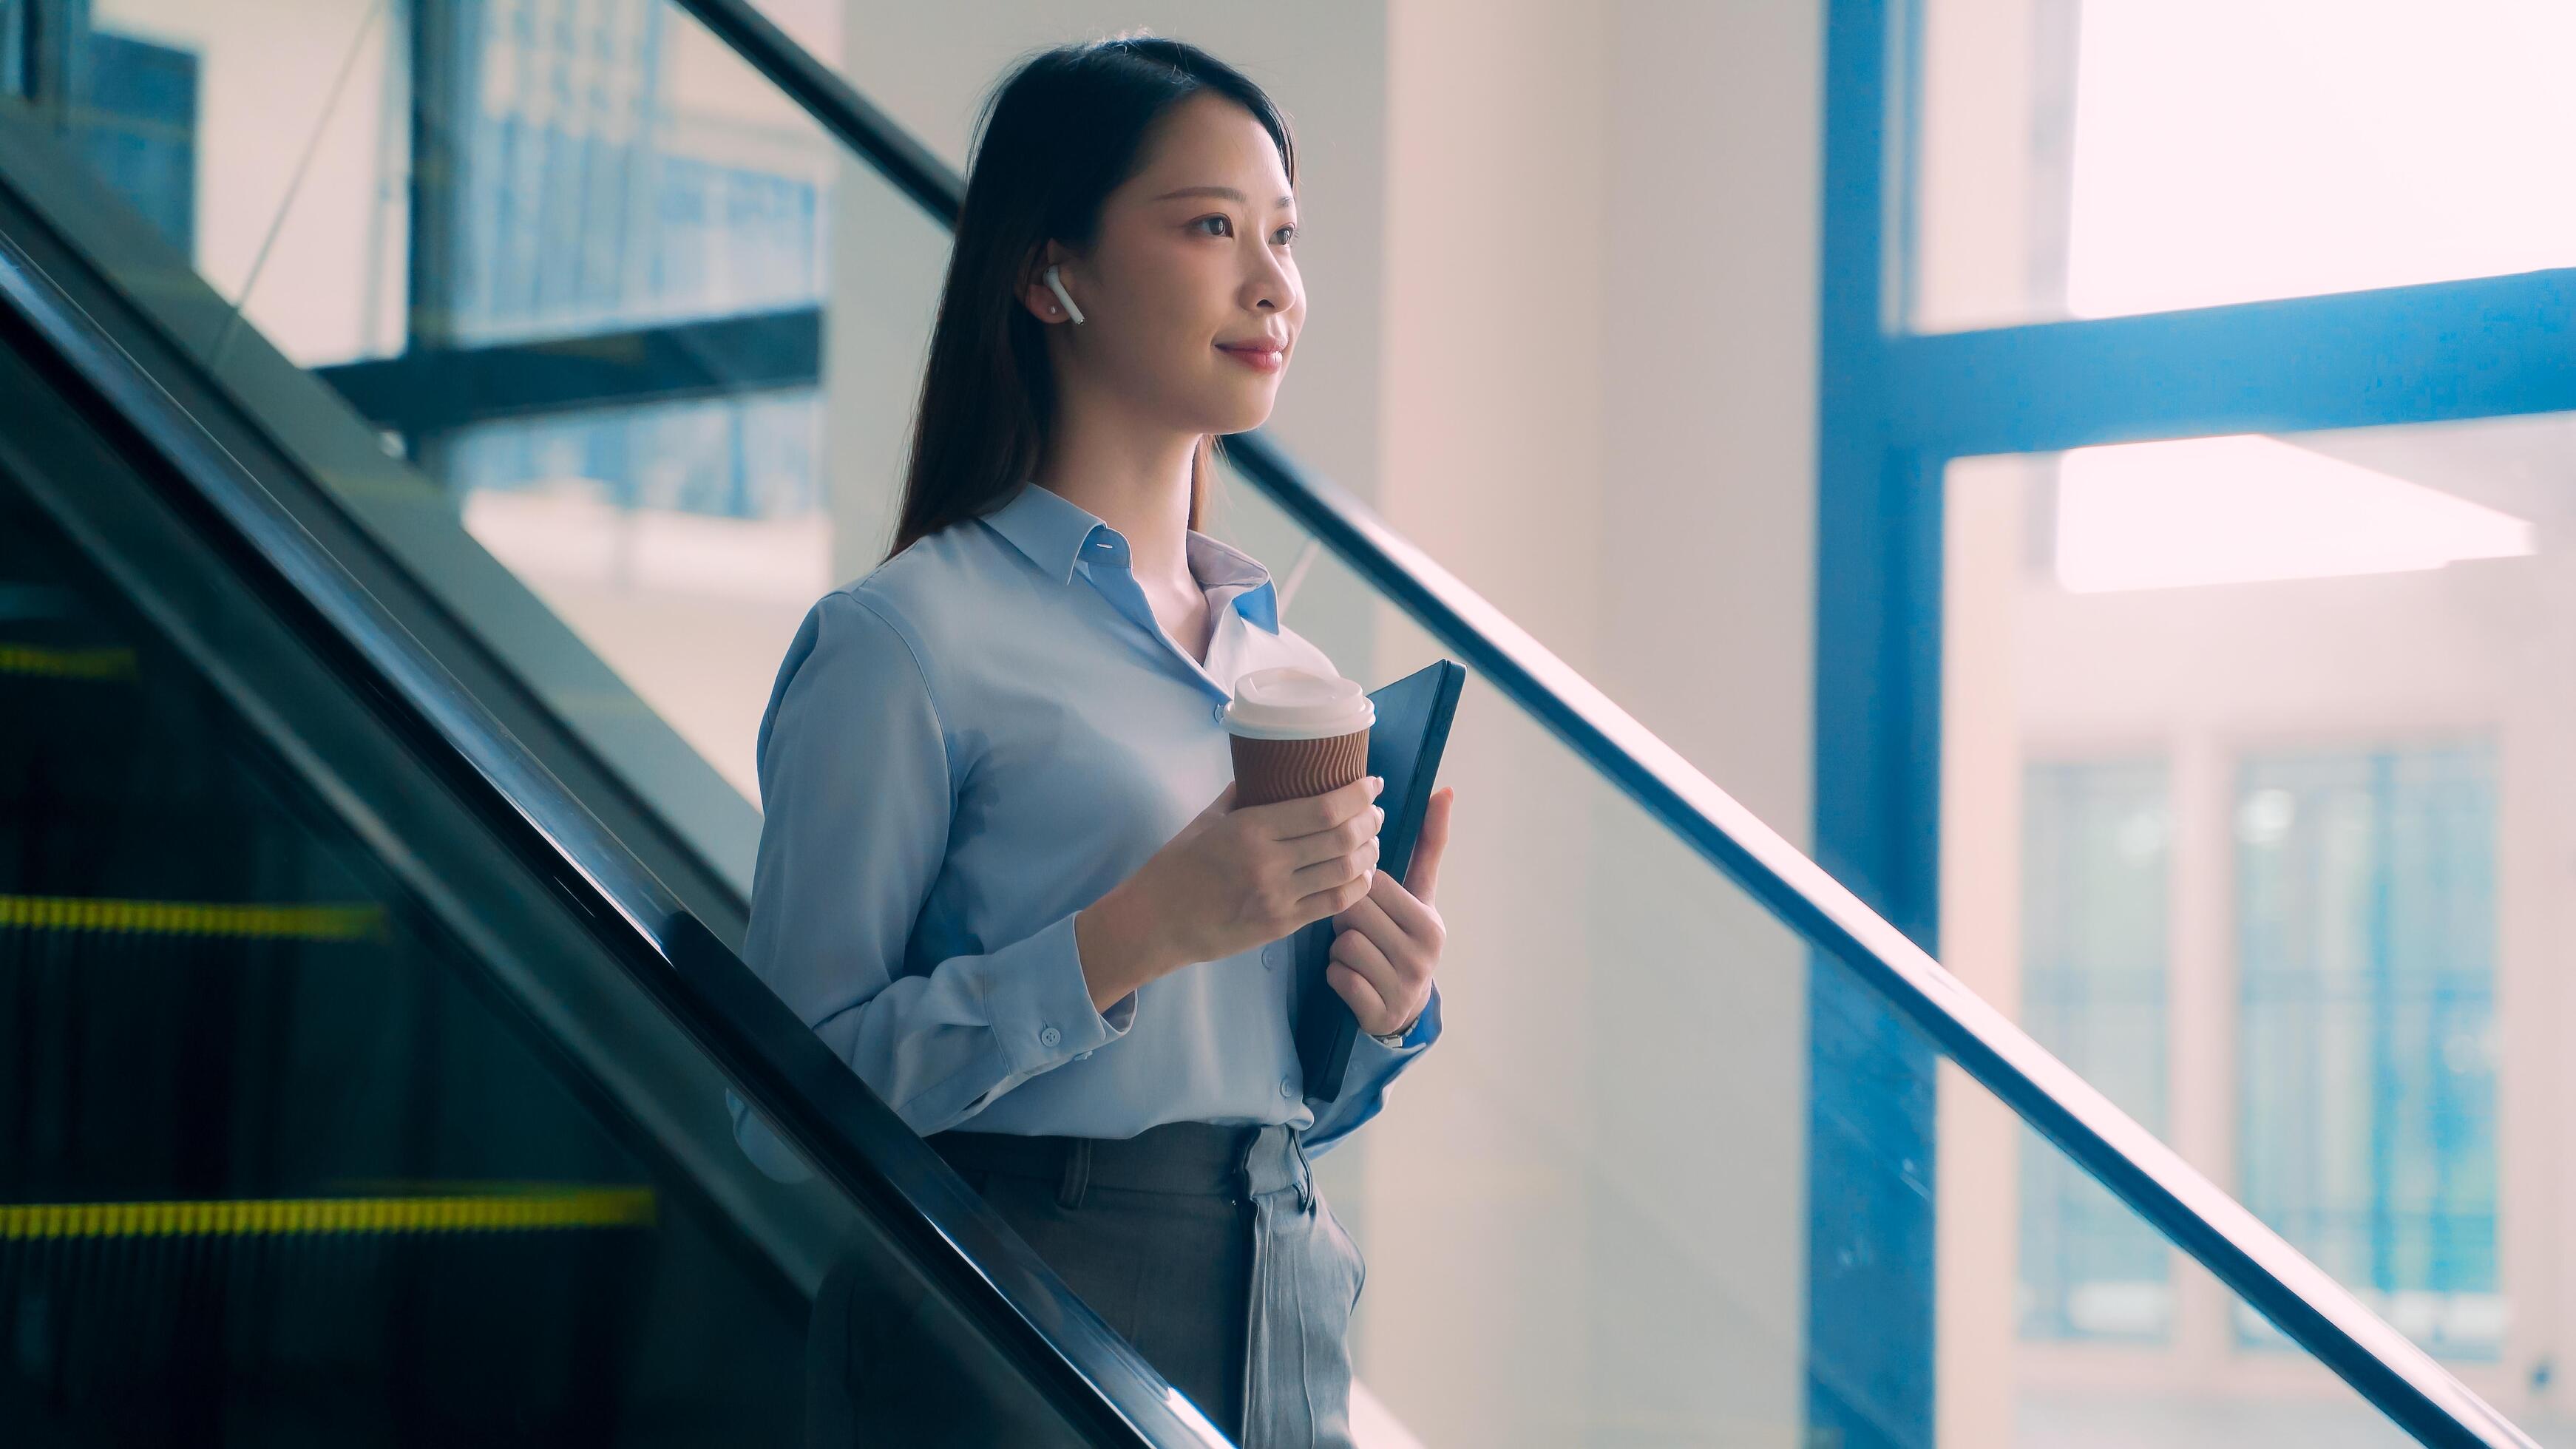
(622, 167)
(13, 40)
(2366, 922)
(269, 141)
(2088, 158)
(682, 542)
(2339, 659)
(136, 124)
(2093, 992)
(587, 167)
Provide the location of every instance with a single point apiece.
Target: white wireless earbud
(1056, 285)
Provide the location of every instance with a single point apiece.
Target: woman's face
(1190, 297)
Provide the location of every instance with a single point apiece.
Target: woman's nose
(1271, 287)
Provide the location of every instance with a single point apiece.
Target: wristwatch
(1392, 1038)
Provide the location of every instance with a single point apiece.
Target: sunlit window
(2241, 509)
(2091, 158)
(2235, 149)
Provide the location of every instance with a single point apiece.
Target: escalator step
(104, 664)
(536, 1210)
(363, 921)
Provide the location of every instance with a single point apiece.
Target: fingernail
(1376, 783)
(1369, 876)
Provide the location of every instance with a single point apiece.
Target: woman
(1000, 871)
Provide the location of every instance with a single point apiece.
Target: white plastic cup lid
(1288, 703)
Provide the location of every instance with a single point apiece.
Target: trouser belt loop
(1077, 1172)
(1305, 1170)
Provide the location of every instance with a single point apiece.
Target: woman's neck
(1135, 479)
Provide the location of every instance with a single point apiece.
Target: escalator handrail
(2318, 1313)
(850, 1137)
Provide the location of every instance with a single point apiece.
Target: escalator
(361, 1087)
(365, 968)
(280, 1167)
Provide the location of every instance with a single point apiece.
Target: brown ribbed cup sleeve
(1267, 771)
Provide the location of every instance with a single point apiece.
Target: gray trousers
(1207, 1247)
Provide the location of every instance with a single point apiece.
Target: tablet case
(1405, 743)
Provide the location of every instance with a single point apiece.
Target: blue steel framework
(1893, 411)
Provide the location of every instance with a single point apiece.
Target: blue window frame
(1893, 410)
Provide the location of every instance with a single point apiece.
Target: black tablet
(1405, 742)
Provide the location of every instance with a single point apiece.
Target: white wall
(1600, 361)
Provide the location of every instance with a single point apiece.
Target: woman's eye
(1219, 224)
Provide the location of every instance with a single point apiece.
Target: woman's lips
(1259, 356)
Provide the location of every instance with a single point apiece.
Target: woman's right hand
(1229, 881)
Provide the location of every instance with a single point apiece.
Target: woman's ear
(1047, 303)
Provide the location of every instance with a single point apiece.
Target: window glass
(683, 542)
(2093, 992)
(2366, 942)
(2324, 675)
(2089, 158)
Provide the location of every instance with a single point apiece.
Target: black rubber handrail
(1105, 1388)
(2316, 1312)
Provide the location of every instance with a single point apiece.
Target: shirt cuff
(1039, 1005)
(1425, 1028)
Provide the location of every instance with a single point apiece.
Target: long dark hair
(1056, 137)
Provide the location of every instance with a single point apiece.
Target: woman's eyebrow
(1228, 192)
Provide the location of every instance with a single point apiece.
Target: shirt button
(1050, 1037)
(1288, 1088)
(1271, 953)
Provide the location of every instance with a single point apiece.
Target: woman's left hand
(1388, 943)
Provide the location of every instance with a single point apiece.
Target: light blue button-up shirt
(963, 749)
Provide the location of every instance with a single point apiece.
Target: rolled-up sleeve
(857, 792)
(1373, 1068)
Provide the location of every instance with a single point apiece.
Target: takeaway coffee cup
(1296, 733)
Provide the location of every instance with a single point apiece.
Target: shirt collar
(1057, 533)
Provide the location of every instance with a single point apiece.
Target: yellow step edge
(45, 662)
(538, 1210)
(363, 921)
